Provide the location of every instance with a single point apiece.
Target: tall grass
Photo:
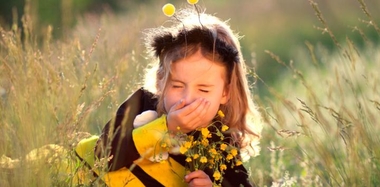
(50, 93)
(321, 118)
(324, 116)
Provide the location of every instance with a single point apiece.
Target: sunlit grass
(324, 116)
(50, 93)
(321, 118)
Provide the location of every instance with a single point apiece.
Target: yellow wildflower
(188, 159)
(217, 175)
(203, 159)
(163, 145)
(205, 142)
(238, 163)
(223, 167)
(234, 152)
(223, 146)
(205, 132)
(195, 156)
(224, 128)
(187, 144)
(229, 157)
(182, 150)
(213, 151)
(221, 114)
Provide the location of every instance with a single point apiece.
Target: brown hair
(193, 31)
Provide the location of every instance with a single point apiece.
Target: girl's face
(197, 77)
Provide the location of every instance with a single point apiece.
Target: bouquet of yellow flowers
(210, 148)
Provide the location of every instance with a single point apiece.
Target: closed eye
(205, 91)
(177, 86)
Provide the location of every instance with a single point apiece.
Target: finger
(180, 104)
(197, 116)
(192, 119)
(192, 106)
(199, 174)
(200, 183)
(172, 118)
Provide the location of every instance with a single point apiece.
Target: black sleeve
(237, 176)
(116, 141)
(233, 177)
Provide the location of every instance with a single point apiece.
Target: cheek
(214, 107)
(169, 101)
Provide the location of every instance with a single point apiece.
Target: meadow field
(314, 75)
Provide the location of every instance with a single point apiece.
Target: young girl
(198, 70)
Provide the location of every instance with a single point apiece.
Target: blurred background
(281, 27)
(66, 66)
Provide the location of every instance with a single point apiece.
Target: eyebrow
(175, 80)
(205, 85)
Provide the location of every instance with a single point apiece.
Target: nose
(188, 96)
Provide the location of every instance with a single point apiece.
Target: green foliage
(320, 108)
(324, 114)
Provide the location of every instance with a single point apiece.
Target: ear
(226, 95)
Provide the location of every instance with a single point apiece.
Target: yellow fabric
(122, 177)
(85, 149)
(148, 138)
(168, 172)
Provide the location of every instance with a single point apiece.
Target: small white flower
(159, 157)
(175, 150)
(144, 118)
(2, 91)
(251, 150)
